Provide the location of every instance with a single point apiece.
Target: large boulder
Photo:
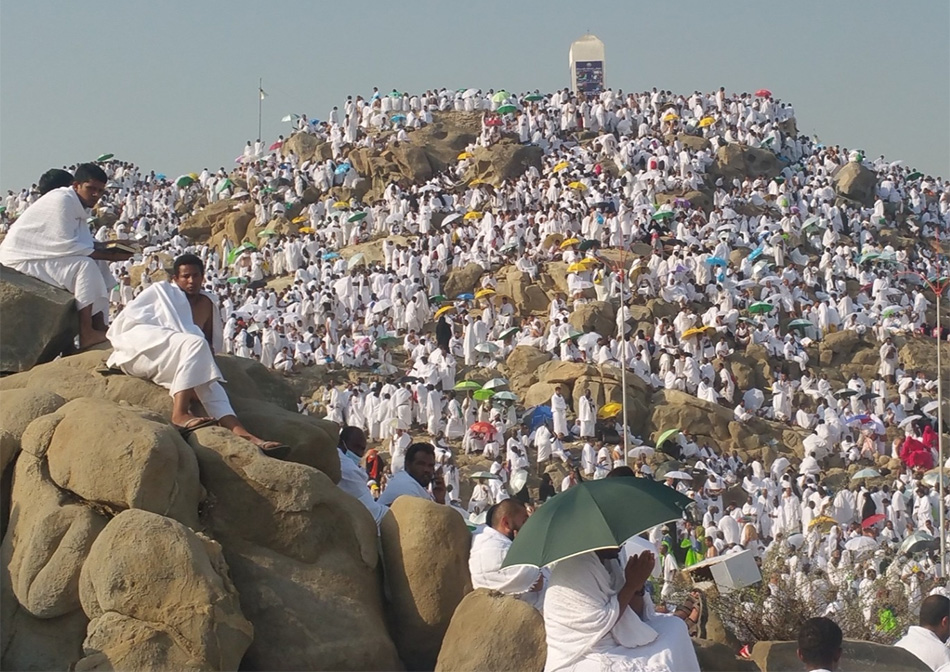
(856, 182)
(503, 161)
(122, 458)
(18, 408)
(740, 161)
(598, 316)
(306, 147)
(492, 631)
(303, 555)
(526, 359)
(836, 348)
(38, 322)
(227, 215)
(918, 353)
(716, 657)
(425, 588)
(856, 656)
(462, 280)
(159, 597)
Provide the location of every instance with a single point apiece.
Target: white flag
(263, 95)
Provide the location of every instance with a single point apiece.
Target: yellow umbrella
(341, 204)
(560, 166)
(570, 241)
(671, 117)
(824, 523)
(193, 176)
(477, 181)
(577, 267)
(609, 410)
(306, 229)
(300, 219)
(552, 239)
(580, 186)
(473, 215)
(443, 310)
(482, 293)
(706, 121)
(695, 331)
(464, 155)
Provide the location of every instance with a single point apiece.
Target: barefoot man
(166, 334)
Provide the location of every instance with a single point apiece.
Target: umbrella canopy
(678, 475)
(666, 436)
(341, 205)
(355, 260)
(438, 298)
(306, 229)
(588, 244)
(568, 242)
(871, 521)
(357, 217)
(577, 267)
(443, 310)
(534, 97)
(823, 523)
(464, 155)
(482, 293)
(467, 385)
(706, 122)
(511, 331)
(800, 323)
(662, 214)
(237, 281)
(505, 396)
(932, 477)
(495, 383)
(501, 96)
(483, 395)
(845, 393)
(609, 410)
(454, 217)
(645, 451)
(593, 515)
(300, 219)
(558, 167)
(398, 117)
(465, 296)
(474, 214)
(485, 475)
(104, 157)
(580, 186)
(914, 175)
(507, 109)
(238, 251)
(860, 545)
(483, 428)
(289, 117)
(695, 331)
(224, 185)
(763, 93)
(537, 416)
(267, 233)
(865, 473)
(387, 340)
(276, 145)
(488, 348)
(919, 541)
(670, 116)
(571, 336)
(910, 419)
(761, 307)
(716, 261)
(184, 180)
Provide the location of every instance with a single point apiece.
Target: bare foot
(87, 339)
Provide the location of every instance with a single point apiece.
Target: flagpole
(260, 104)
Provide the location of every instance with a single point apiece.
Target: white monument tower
(587, 65)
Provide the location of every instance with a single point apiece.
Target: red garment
(916, 455)
(930, 437)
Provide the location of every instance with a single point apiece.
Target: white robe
(402, 484)
(559, 413)
(587, 629)
(353, 482)
(155, 337)
(489, 548)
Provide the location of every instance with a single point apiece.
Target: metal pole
(260, 104)
(941, 475)
(623, 349)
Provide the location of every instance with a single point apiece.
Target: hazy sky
(172, 85)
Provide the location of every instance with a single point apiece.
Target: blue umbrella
(537, 416)
(756, 253)
(465, 297)
(398, 117)
(341, 169)
(160, 176)
(716, 261)
(330, 255)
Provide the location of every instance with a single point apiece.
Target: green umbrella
(467, 385)
(500, 96)
(483, 395)
(760, 307)
(184, 180)
(914, 175)
(587, 244)
(238, 251)
(571, 336)
(357, 217)
(438, 298)
(504, 396)
(506, 109)
(664, 214)
(510, 331)
(224, 185)
(870, 256)
(104, 157)
(387, 340)
(591, 516)
(267, 233)
(534, 97)
(237, 281)
(666, 435)
(802, 324)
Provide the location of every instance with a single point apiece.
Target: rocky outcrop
(424, 588)
(39, 321)
(503, 161)
(462, 280)
(228, 217)
(597, 316)
(306, 147)
(159, 597)
(856, 656)
(491, 631)
(715, 657)
(856, 182)
(740, 161)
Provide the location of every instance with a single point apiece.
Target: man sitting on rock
(166, 335)
(490, 546)
(414, 480)
(52, 242)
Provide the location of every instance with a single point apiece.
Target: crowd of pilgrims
(812, 258)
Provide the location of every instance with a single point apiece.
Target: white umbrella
(355, 260)
(645, 451)
(931, 407)
(487, 348)
(494, 383)
(679, 475)
(455, 216)
(589, 340)
(909, 419)
(861, 545)
(382, 306)
(519, 478)
(754, 399)
(396, 423)
(486, 475)
(796, 540)
(469, 93)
